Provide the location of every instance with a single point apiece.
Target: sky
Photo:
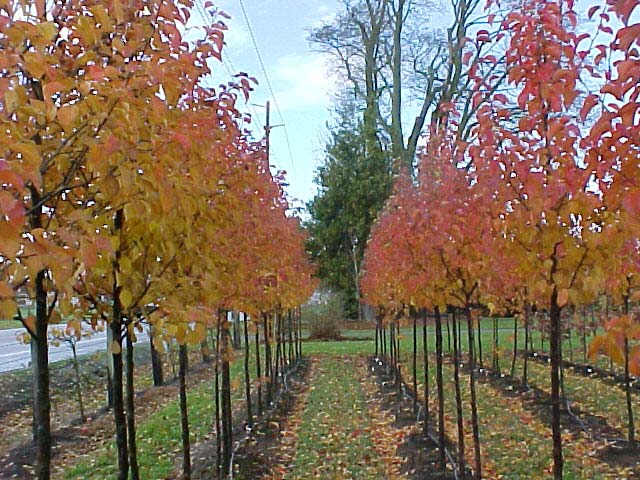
(301, 80)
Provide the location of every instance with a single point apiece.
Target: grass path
(339, 436)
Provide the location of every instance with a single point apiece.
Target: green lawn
(333, 439)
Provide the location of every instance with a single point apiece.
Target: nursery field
(341, 413)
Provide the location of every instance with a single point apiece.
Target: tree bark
(527, 343)
(415, 361)
(41, 381)
(515, 345)
(258, 372)
(456, 383)
(227, 427)
(247, 376)
(440, 388)
(555, 339)
(76, 368)
(118, 395)
(131, 413)
(156, 366)
(425, 353)
(472, 387)
(267, 359)
(184, 414)
(217, 402)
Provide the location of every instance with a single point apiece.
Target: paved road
(15, 355)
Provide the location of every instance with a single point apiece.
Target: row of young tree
(131, 193)
(531, 201)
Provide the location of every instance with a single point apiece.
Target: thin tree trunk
(515, 345)
(448, 333)
(584, 335)
(377, 336)
(217, 403)
(247, 377)
(267, 359)
(627, 383)
(290, 336)
(184, 414)
(227, 427)
(41, 381)
(156, 365)
(258, 372)
(555, 385)
(425, 353)
(118, 395)
(414, 316)
(276, 371)
(131, 413)
(204, 351)
(440, 389)
(480, 359)
(76, 367)
(456, 383)
(527, 340)
(472, 387)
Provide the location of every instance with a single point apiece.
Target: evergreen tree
(353, 184)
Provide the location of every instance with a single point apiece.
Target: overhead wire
(266, 76)
(226, 59)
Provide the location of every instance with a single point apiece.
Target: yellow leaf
(126, 299)
(8, 309)
(115, 347)
(563, 297)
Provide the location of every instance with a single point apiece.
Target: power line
(266, 76)
(225, 57)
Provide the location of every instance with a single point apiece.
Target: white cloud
(303, 81)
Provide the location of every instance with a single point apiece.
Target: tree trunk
(217, 402)
(472, 388)
(290, 338)
(415, 361)
(237, 340)
(118, 394)
(204, 351)
(377, 336)
(41, 381)
(456, 383)
(527, 344)
(227, 426)
(247, 377)
(184, 414)
(440, 388)
(425, 353)
(627, 380)
(258, 372)
(76, 368)
(555, 339)
(448, 333)
(131, 413)
(480, 359)
(267, 359)
(277, 371)
(495, 364)
(627, 383)
(156, 365)
(515, 345)
(584, 335)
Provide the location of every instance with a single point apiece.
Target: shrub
(324, 319)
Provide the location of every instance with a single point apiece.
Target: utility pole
(267, 130)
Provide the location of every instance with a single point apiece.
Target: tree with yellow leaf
(620, 343)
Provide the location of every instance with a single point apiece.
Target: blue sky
(300, 79)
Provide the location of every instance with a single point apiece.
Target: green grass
(159, 437)
(332, 439)
(515, 444)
